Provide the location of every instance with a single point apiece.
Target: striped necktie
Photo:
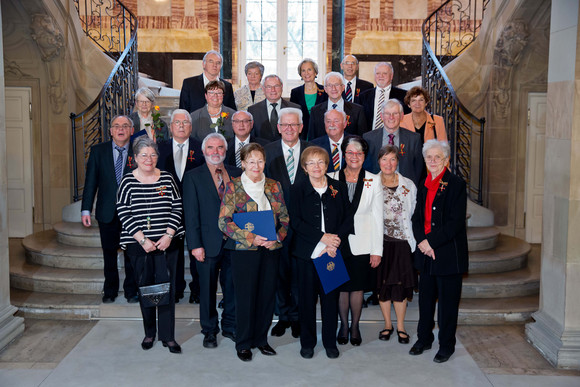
(335, 158)
(378, 119)
(348, 92)
(238, 157)
(290, 165)
(119, 164)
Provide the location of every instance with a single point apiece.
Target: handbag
(154, 295)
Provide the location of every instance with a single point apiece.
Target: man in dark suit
(107, 164)
(409, 143)
(334, 123)
(354, 85)
(372, 99)
(177, 156)
(355, 118)
(283, 165)
(242, 122)
(202, 187)
(266, 113)
(193, 89)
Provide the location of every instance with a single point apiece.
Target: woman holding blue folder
(322, 221)
(254, 257)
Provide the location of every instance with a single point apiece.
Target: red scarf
(432, 187)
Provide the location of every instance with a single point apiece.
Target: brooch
(357, 92)
(160, 190)
(347, 120)
(130, 161)
(368, 182)
(442, 185)
(405, 190)
(402, 149)
(191, 158)
(333, 192)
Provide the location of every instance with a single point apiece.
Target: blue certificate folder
(331, 271)
(257, 222)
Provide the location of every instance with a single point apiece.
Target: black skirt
(358, 268)
(396, 277)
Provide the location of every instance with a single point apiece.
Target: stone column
(556, 331)
(10, 326)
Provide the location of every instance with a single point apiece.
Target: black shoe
(403, 337)
(194, 298)
(385, 334)
(178, 297)
(133, 300)
(109, 299)
(332, 353)
(229, 335)
(280, 328)
(295, 326)
(418, 348)
(173, 346)
(266, 350)
(147, 343)
(245, 355)
(210, 341)
(373, 299)
(440, 358)
(306, 353)
(221, 304)
(342, 340)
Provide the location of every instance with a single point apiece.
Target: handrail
(454, 28)
(105, 23)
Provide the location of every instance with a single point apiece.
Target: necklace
(353, 175)
(392, 183)
(214, 115)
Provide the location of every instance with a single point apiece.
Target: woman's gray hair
(214, 135)
(430, 144)
(144, 142)
(307, 60)
(145, 92)
(254, 65)
(290, 110)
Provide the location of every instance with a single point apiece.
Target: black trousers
(110, 236)
(309, 289)
(153, 268)
(444, 290)
(209, 270)
(254, 274)
(180, 283)
(287, 288)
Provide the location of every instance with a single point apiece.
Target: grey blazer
(201, 121)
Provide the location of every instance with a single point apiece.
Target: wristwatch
(142, 241)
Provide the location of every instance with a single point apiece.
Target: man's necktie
(334, 105)
(290, 165)
(378, 119)
(274, 118)
(348, 92)
(221, 184)
(119, 164)
(238, 157)
(335, 158)
(391, 139)
(179, 160)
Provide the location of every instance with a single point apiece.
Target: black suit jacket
(357, 123)
(100, 181)
(297, 96)
(262, 127)
(367, 100)
(201, 205)
(276, 166)
(448, 236)
(360, 87)
(410, 157)
(324, 142)
(305, 215)
(167, 163)
(231, 153)
(192, 95)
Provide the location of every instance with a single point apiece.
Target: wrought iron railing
(114, 29)
(447, 32)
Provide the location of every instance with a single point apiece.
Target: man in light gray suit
(409, 143)
(214, 117)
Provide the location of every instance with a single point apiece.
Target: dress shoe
(245, 355)
(418, 348)
(332, 353)
(280, 328)
(108, 299)
(210, 341)
(356, 341)
(403, 337)
(178, 297)
(147, 343)
(295, 326)
(306, 353)
(229, 335)
(266, 350)
(221, 304)
(385, 334)
(440, 358)
(342, 340)
(133, 300)
(173, 346)
(194, 298)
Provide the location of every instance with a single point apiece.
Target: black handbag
(154, 295)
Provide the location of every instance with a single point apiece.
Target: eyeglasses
(396, 114)
(146, 156)
(313, 163)
(270, 87)
(334, 122)
(287, 126)
(179, 123)
(117, 126)
(215, 93)
(254, 163)
(333, 85)
(244, 122)
(354, 154)
(436, 158)
(144, 102)
(349, 63)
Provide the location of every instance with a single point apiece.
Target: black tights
(352, 301)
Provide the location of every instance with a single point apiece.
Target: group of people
(342, 169)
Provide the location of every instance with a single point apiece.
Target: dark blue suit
(360, 87)
(356, 121)
(192, 95)
(324, 142)
(297, 96)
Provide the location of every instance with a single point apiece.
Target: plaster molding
(12, 68)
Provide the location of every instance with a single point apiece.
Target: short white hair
(394, 102)
(334, 74)
(290, 110)
(430, 144)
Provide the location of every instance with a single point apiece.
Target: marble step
(509, 254)
(492, 311)
(75, 234)
(482, 238)
(517, 283)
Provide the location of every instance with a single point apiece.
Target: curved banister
(455, 25)
(105, 21)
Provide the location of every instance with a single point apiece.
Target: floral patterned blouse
(393, 213)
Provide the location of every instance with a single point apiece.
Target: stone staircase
(57, 274)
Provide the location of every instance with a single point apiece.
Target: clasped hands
(262, 241)
(332, 242)
(426, 248)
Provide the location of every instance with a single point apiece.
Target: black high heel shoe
(385, 334)
(342, 340)
(173, 346)
(356, 341)
(147, 343)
